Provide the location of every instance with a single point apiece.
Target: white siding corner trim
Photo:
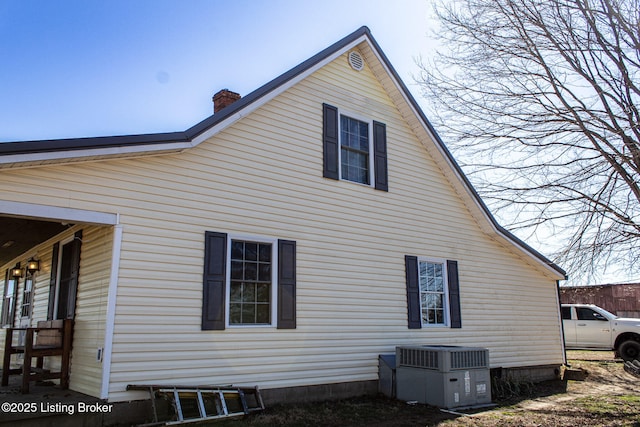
(111, 311)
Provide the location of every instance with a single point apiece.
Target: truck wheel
(629, 350)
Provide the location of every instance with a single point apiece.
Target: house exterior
(621, 299)
(284, 242)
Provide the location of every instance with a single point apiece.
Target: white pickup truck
(591, 327)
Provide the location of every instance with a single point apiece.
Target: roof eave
(28, 153)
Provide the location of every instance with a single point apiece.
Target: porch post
(111, 310)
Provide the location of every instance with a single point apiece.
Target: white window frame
(274, 279)
(369, 123)
(445, 283)
(8, 305)
(28, 289)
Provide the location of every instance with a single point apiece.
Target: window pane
(263, 293)
(361, 161)
(251, 251)
(236, 270)
(344, 124)
(364, 176)
(430, 269)
(263, 314)
(237, 249)
(355, 166)
(250, 271)
(235, 294)
(249, 292)
(363, 131)
(586, 313)
(433, 301)
(10, 288)
(437, 270)
(264, 273)
(431, 284)
(248, 313)
(265, 253)
(235, 314)
(431, 318)
(438, 284)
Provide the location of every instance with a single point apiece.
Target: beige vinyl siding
(91, 302)
(91, 309)
(263, 176)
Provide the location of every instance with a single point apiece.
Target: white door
(592, 329)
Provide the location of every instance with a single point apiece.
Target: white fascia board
(56, 213)
(275, 92)
(92, 152)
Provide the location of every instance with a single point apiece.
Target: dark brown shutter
(76, 247)
(413, 292)
(454, 294)
(214, 279)
(380, 156)
(286, 284)
(330, 143)
(52, 280)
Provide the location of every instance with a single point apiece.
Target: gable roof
(30, 153)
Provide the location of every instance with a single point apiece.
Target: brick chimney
(224, 98)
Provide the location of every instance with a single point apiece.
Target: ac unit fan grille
(468, 359)
(419, 358)
(442, 358)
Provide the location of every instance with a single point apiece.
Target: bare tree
(540, 101)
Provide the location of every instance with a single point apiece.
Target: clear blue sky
(76, 68)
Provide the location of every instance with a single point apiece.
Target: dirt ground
(607, 396)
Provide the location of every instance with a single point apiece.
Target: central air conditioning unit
(443, 376)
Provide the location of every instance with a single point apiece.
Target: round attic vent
(356, 61)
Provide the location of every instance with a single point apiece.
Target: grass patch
(627, 406)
